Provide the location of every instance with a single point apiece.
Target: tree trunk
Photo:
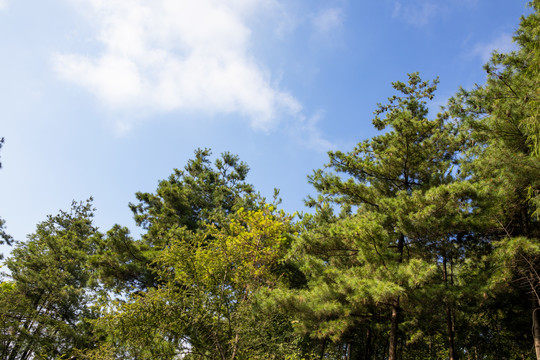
(450, 325)
(394, 319)
(235, 347)
(449, 320)
(536, 331)
(323, 348)
(367, 349)
(392, 352)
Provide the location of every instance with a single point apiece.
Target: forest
(422, 243)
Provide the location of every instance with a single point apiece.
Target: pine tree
(504, 118)
(191, 198)
(46, 302)
(400, 209)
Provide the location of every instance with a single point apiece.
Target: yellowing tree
(204, 309)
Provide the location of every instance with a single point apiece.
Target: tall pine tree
(400, 209)
(504, 118)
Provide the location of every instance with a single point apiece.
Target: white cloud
(502, 44)
(3, 4)
(309, 134)
(418, 13)
(165, 55)
(328, 20)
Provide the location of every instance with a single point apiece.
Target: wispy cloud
(418, 13)
(312, 135)
(308, 133)
(328, 21)
(3, 4)
(423, 12)
(502, 44)
(166, 55)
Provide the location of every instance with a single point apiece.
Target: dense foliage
(423, 243)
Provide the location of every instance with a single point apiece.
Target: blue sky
(104, 98)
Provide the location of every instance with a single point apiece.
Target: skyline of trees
(423, 243)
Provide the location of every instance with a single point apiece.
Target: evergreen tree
(188, 199)
(400, 210)
(503, 116)
(46, 303)
(196, 195)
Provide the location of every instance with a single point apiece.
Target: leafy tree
(189, 199)
(204, 307)
(49, 297)
(191, 282)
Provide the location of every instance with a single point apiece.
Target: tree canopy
(423, 242)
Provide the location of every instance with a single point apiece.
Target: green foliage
(402, 212)
(121, 263)
(423, 245)
(204, 307)
(198, 194)
(503, 120)
(188, 200)
(504, 115)
(48, 299)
